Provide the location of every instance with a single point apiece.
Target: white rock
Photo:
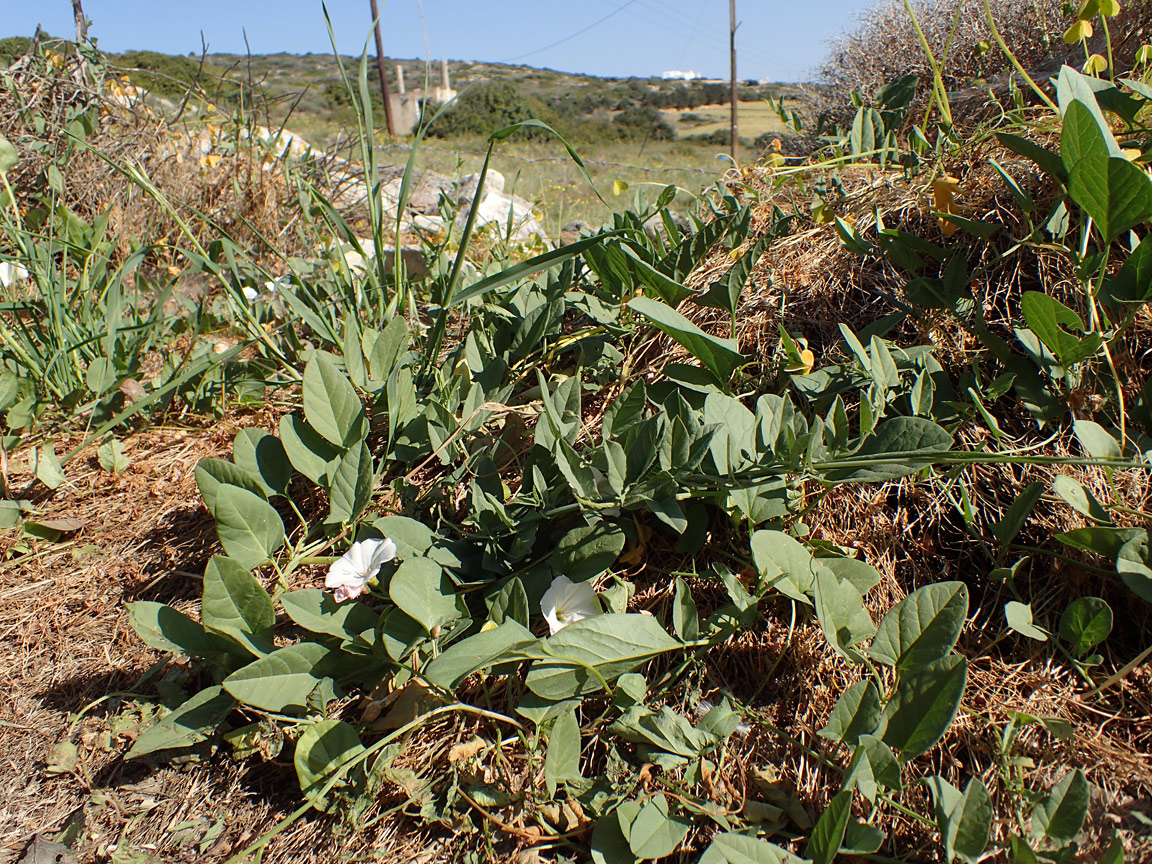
(11, 273)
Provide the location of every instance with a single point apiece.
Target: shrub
(884, 45)
(11, 48)
(488, 106)
(644, 122)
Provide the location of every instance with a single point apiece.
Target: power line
(580, 32)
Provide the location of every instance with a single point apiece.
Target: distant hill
(308, 88)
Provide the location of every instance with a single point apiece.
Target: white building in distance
(677, 75)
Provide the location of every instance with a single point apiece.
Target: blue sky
(623, 37)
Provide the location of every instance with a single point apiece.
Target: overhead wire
(579, 32)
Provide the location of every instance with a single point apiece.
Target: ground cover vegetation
(813, 530)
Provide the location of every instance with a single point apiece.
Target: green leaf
(423, 591)
(111, 457)
(1017, 513)
(324, 748)
(411, 537)
(612, 643)
(908, 445)
(262, 455)
(563, 759)
(249, 528)
(1021, 852)
(509, 641)
(685, 618)
(524, 269)
(874, 765)
(923, 706)
(383, 349)
(922, 627)
(8, 155)
(1051, 321)
(236, 605)
(330, 402)
(100, 375)
(857, 712)
(309, 454)
(1019, 618)
(280, 681)
(1132, 563)
(49, 471)
(724, 293)
(1082, 137)
(609, 845)
(317, 612)
(1102, 540)
(1085, 623)
(829, 830)
(969, 824)
(1079, 498)
(1116, 193)
(350, 485)
(166, 629)
(840, 610)
(1061, 814)
(1048, 162)
(213, 473)
(721, 357)
(862, 839)
(1097, 442)
(730, 848)
(652, 833)
(666, 730)
(587, 551)
(510, 603)
(191, 723)
(784, 564)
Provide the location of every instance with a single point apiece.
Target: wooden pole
(81, 21)
(380, 69)
(732, 54)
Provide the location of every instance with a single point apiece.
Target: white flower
(566, 602)
(272, 287)
(11, 272)
(351, 572)
(249, 293)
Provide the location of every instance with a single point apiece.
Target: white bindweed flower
(351, 572)
(566, 602)
(250, 293)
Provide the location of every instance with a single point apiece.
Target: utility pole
(380, 69)
(732, 52)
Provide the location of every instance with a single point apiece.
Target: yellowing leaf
(1131, 153)
(1095, 64)
(619, 187)
(1078, 32)
(944, 190)
(802, 365)
(211, 160)
(466, 749)
(1109, 8)
(1144, 54)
